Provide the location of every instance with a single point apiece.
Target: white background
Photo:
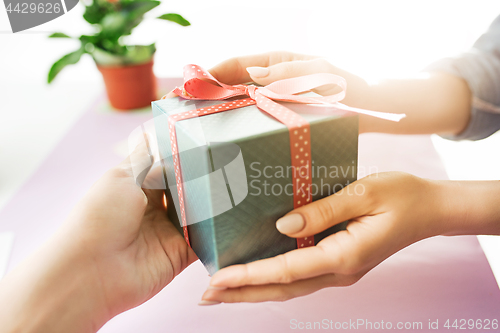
(371, 38)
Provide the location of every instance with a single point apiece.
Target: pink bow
(201, 85)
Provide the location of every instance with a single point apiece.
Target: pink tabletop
(434, 280)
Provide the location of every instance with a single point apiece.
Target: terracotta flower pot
(130, 87)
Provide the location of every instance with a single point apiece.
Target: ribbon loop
(250, 91)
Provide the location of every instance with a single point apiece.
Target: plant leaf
(136, 9)
(89, 39)
(114, 24)
(121, 23)
(104, 58)
(135, 54)
(95, 12)
(175, 18)
(59, 35)
(69, 59)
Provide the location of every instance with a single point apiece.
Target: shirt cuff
(482, 122)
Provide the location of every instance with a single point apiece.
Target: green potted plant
(127, 69)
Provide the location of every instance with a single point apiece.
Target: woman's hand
(266, 68)
(386, 213)
(433, 102)
(116, 251)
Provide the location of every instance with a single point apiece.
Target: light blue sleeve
(480, 67)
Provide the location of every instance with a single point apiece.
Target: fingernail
(216, 288)
(258, 71)
(203, 302)
(290, 224)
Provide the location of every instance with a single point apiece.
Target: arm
(394, 210)
(55, 290)
(457, 97)
(391, 211)
(116, 250)
(433, 103)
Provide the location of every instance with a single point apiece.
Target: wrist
(470, 208)
(54, 290)
(358, 95)
(358, 90)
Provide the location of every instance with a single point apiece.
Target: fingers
(286, 268)
(233, 71)
(173, 242)
(286, 70)
(329, 256)
(131, 171)
(277, 292)
(140, 161)
(353, 201)
(116, 197)
(126, 178)
(155, 178)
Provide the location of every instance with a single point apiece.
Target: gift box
(232, 170)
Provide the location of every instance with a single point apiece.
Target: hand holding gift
(81, 278)
(433, 102)
(218, 149)
(392, 211)
(386, 213)
(116, 250)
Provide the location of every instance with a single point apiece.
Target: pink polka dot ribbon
(201, 85)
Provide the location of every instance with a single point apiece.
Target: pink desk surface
(436, 279)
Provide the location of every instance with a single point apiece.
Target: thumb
(131, 172)
(289, 69)
(117, 195)
(140, 161)
(322, 214)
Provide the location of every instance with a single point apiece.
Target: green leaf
(105, 58)
(135, 54)
(136, 9)
(69, 59)
(95, 12)
(175, 18)
(138, 54)
(92, 15)
(121, 23)
(113, 24)
(89, 39)
(59, 35)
